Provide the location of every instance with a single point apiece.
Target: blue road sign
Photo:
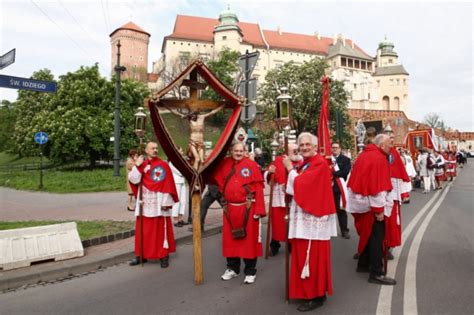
(7, 59)
(41, 137)
(27, 84)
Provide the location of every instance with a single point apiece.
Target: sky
(433, 39)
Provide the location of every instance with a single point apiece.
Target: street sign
(252, 59)
(252, 89)
(41, 137)
(27, 84)
(7, 59)
(251, 113)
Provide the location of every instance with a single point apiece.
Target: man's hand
(139, 161)
(379, 216)
(288, 164)
(271, 169)
(256, 216)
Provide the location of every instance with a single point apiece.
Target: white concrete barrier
(21, 247)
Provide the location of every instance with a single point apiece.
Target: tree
(434, 121)
(7, 125)
(305, 88)
(79, 117)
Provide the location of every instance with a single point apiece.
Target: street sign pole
(118, 70)
(41, 138)
(41, 167)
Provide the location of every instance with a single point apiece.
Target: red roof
(201, 29)
(130, 26)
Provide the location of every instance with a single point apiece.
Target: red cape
(312, 187)
(397, 168)
(281, 175)
(159, 178)
(371, 172)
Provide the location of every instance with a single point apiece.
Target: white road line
(409, 293)
(384, 304)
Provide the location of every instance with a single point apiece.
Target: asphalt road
(434, 271)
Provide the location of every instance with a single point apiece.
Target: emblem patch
(158, 174)
(245, 172)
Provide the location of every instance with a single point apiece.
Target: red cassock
(279, 232)
(157, 179)
(311, 190)
(247, 173)
(393, 225)
(369, 176)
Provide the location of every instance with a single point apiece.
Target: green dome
(228, 17)
(386, 46)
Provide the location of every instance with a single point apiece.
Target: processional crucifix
(197, 170)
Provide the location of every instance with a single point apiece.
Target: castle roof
(390, 70)
(195, 28)
(132, 27)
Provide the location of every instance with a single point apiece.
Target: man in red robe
(158, 196)
(398, 177)
(368, 201)
(278, 223)
(241, 183)
(311, 226)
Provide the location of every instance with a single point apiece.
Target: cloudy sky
(433, 39)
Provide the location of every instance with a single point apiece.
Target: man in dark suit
(342, 170)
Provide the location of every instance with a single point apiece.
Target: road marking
(384, 304)
(409, 293)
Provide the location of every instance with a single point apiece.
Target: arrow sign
(41, 137)
(7, 59)
(27, 84)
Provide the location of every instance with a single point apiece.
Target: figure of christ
(196, 132)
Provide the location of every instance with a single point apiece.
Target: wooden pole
(270, 213)
(140, 207)
(196, 210)
(287, 248)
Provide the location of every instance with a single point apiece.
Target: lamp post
(140, 126)
(360, 134)
(274, 145)
(118, 71)
(283, 109)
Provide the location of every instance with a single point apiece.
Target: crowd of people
(372, 189)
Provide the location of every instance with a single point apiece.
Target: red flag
(324, 141)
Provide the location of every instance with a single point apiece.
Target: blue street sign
(27, 84)
(41, 137)
(7, 59)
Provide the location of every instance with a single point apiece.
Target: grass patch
(66, 181)
(13, 159)
(86, 229)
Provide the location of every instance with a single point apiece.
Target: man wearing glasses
(342, 168)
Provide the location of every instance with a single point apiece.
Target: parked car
(470, 154)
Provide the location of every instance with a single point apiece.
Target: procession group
(318, 190)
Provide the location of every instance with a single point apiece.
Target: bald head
(383, 142)
(151, 149)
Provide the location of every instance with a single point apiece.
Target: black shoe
(274, 252)
(382, 280)
(390, 256)
(136, 261)
(362, 269)
(164, 262)
(311, 304)
(356, 256)
(179, 224)
(345, 235)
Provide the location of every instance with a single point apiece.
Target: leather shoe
(345, 235)
(356, 256)
(164, 262)
(311, 304)
(390, 256)
(136, 261)
(382, 280)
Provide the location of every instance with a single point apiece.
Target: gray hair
(314, 139)
(380, 138)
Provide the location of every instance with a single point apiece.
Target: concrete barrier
(22, 247)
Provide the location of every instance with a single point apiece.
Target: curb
(67, 269)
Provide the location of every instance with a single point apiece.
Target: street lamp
(283, 108)
(140, 126)
(274, 145)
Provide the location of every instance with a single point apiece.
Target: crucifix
(199, 168)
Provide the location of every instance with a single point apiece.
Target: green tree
(305, 88)
(79, 117)
(7, 125)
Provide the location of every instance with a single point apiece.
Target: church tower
(133, 51)
(227, 33)
(391, 78)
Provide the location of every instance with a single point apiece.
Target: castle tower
(391, 78)
(133, 51)
(227, 33)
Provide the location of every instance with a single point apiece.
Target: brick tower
(133, 52)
